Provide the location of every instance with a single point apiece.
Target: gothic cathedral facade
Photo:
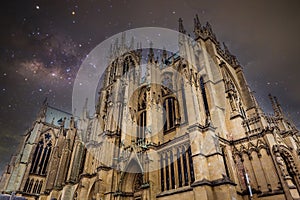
(196, 132)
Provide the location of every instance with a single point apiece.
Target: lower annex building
(198, 134)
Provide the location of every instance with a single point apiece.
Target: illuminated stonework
(198, 134)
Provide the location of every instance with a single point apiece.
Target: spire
(164, 53)
(208, 27)
(181, 28)
(132, 43)
(151, 53)
(45, 101)
(72, 122)
(123, 37)
(274, 105)
(197, 25)
(226, 49)
(278, 106)
(43, 109)
(210, 32)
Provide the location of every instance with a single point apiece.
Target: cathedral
(186, 126)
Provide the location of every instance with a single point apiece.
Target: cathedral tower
(167, 125)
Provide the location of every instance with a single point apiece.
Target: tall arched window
(190, 159)
(181, 160)
(204, 96)
(35, 187)
(179, 167)
(169, 113)
(41, 156)
(47, 155)
(30, 186)
(142, 124)
(128, 63)
(172, 170)
(113, 71)
(185, 167)
(162, 176)
(26, 185)
(40, 187)
(37, 157)
(167, 172)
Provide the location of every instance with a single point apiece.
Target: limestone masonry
(198, 133)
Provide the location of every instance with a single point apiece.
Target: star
(37, 7)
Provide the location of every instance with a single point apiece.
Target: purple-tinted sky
(42, 44)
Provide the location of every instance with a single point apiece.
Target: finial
(45, 101)
(181, 28)
(208, 26)
(226, 49)
(43, 109)
(197, 25)
(72, 122)
(132, 43)
(164, 53)
(278, 106)
(123, 37)
(151, 53)
(274, 106)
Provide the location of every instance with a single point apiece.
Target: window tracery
(169, 113)
(179, 158)
(41, 156)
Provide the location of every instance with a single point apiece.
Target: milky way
(43, 43)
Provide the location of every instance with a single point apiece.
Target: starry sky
(43, 43)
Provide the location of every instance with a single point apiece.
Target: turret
(197, 26)
(275, 105)
(181, 28)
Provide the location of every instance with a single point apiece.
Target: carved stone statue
(281, 164)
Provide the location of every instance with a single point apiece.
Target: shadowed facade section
(197, 133)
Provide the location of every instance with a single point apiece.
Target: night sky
(43, 43)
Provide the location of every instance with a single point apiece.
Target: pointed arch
(128, 63)
(30, 186)
(40, 187)
(42, 154)
(286, 164)
(142, 125)
(233, 91)
(169, 116)
(131, 177)
(171, 110)
(113, 71)
(229, 78)
(36, 184)
(204, 95)
(26, 185)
